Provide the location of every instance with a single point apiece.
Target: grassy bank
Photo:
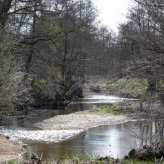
(135, 87)
(75, 159)
(115, 108)
(86, 159)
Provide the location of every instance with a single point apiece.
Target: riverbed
(77, 129)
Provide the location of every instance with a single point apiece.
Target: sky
(112, 12)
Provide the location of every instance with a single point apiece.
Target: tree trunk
(152, 85)
(31, 53)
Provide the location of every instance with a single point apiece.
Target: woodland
(51, 49)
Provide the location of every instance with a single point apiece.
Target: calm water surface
(115, 140)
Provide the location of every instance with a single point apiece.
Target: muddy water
(114, 140)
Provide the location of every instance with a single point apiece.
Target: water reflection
(116, 141)
(101, 99)
(34, 116)
(149, 133)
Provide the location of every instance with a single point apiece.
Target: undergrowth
(114, 108)
(133, 87)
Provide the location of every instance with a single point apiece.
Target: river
(115, 140)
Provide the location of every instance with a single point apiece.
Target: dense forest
(43, 48)
(51, 49)
(48, 48)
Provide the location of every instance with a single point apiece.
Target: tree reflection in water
(149, 133)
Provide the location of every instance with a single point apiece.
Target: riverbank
(128, 88)
(85, 159)
(65, 127)
(57, 129)
(83, 120)
(9, 150)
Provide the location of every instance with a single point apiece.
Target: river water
(115, 140)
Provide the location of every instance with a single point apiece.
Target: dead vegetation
(147, 153)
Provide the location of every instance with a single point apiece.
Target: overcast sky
(112, 12)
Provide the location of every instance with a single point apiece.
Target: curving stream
(115, 140)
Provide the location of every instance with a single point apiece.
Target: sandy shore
(56, 129)
(64, 127)
(82, 121)
(41, 135)
(9, 150)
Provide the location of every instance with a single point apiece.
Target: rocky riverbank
(9, 150)
(83, 121)
(65, 127)
(56, 129)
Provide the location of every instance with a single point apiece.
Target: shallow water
(115, 140)
(90, 98)
(86, 103)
